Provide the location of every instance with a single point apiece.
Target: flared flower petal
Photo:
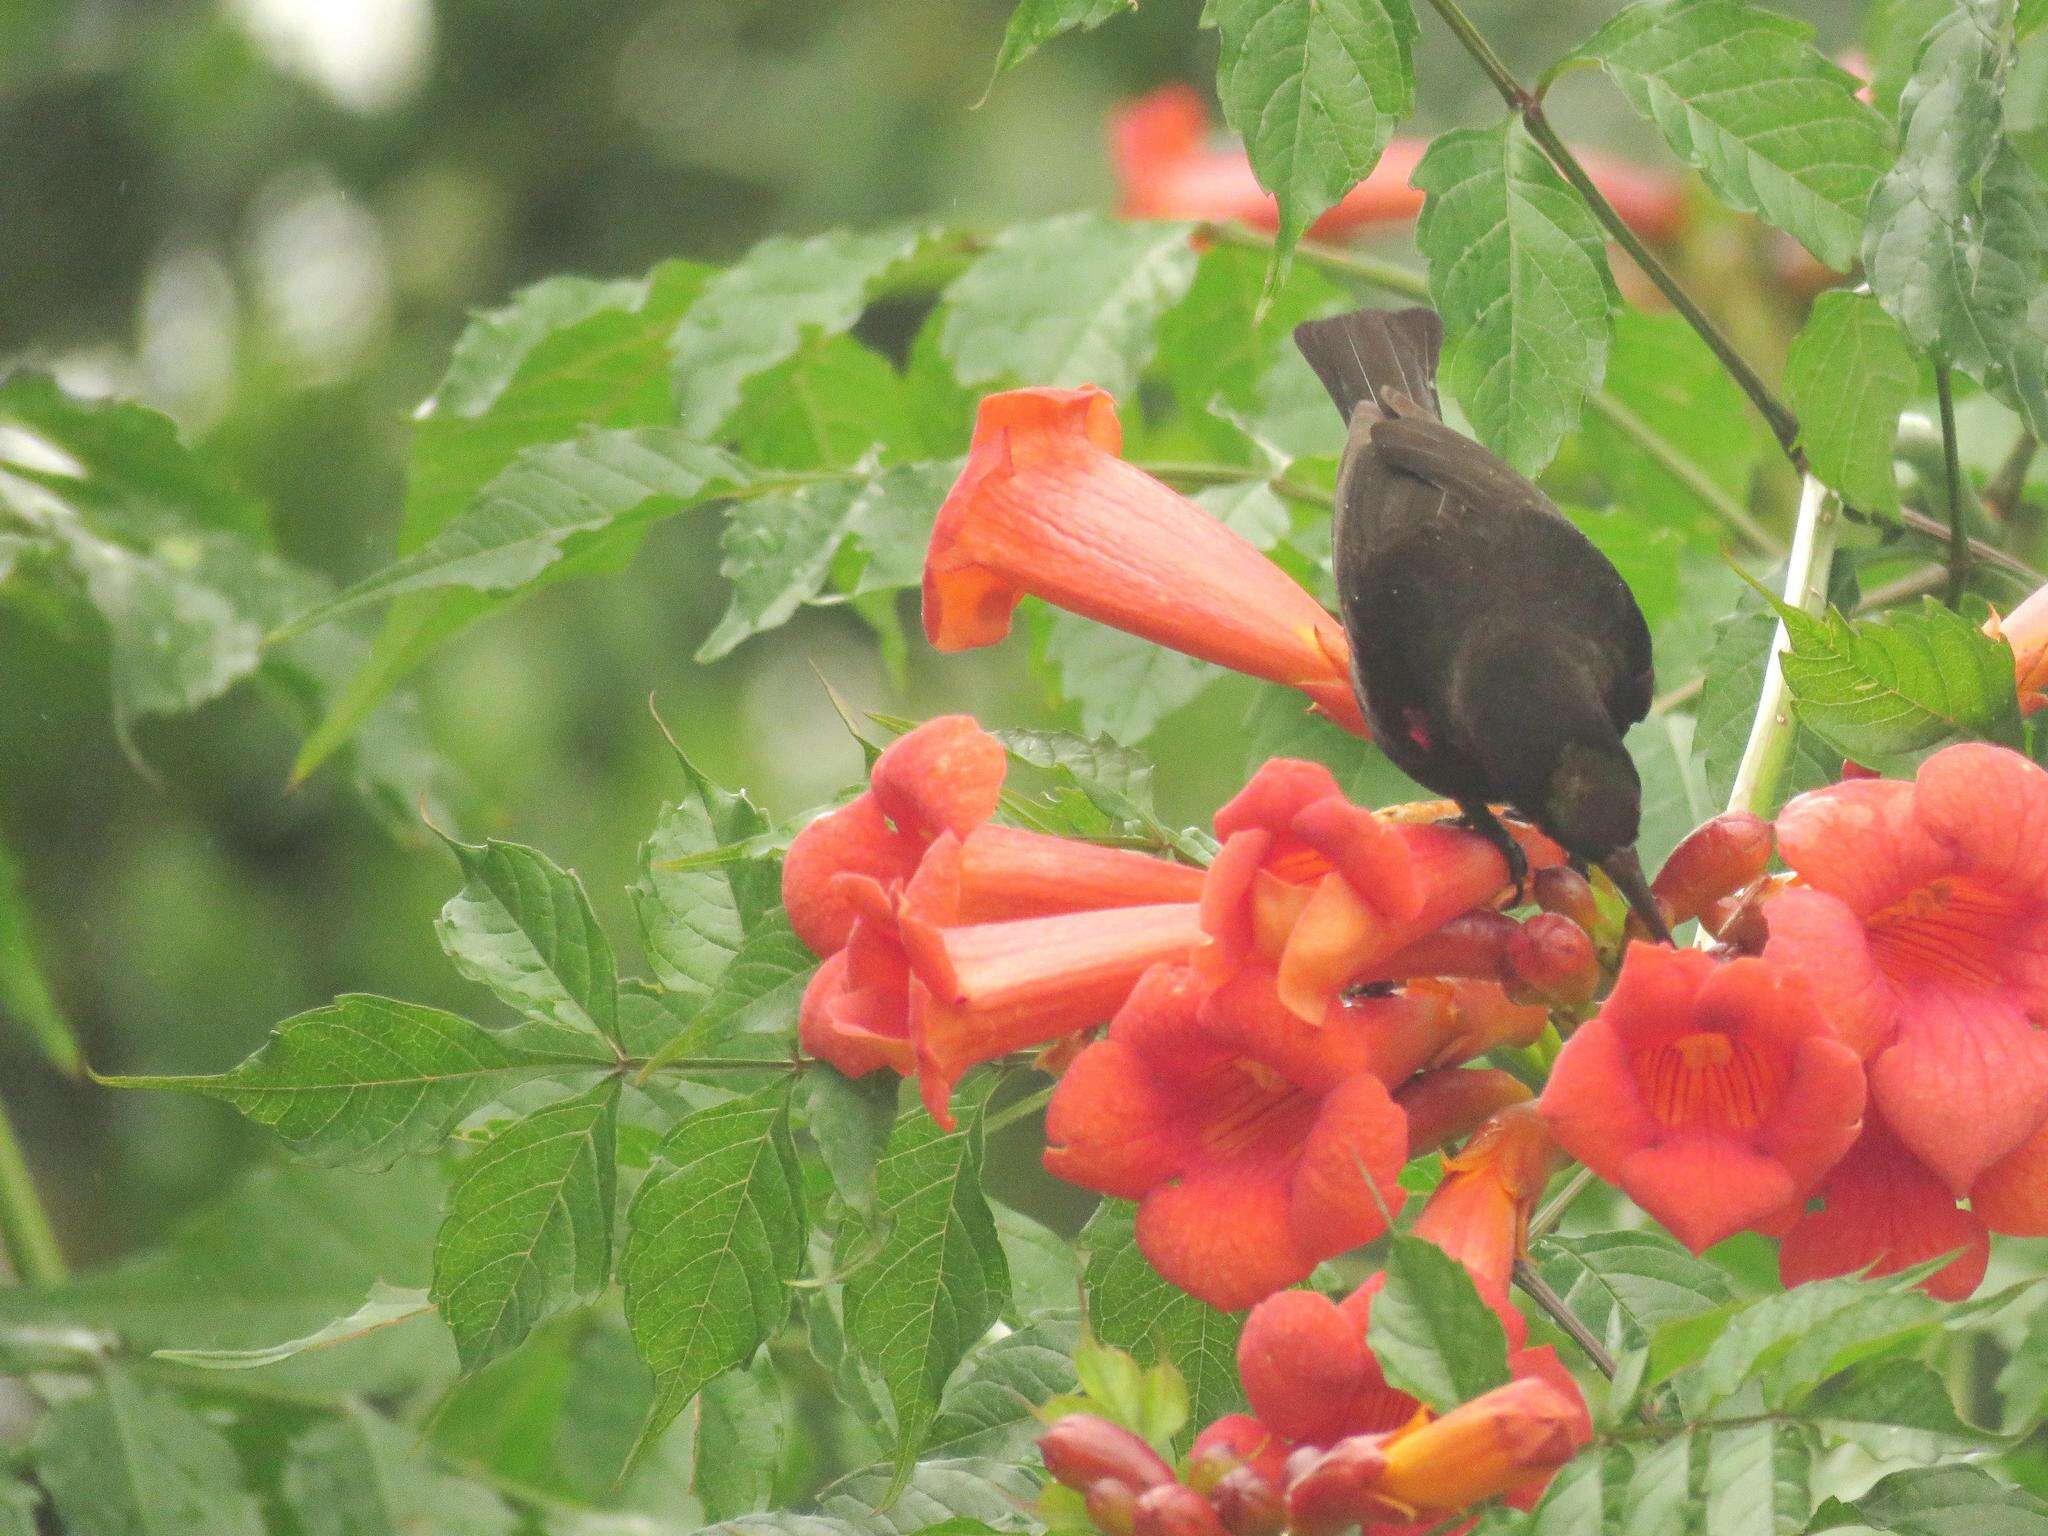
(1922, 925)
(1254, 1148)
(2025, 629)
(1328, 894)
(1882, 1210)
(2012, 1194)
(1479, 1214)
(944, 776)
(1044, 507)
(1713, 1092)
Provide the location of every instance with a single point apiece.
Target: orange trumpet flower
(1921, 924)
(1044, 507)
(1713, 1092)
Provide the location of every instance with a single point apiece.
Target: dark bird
(1498, 655)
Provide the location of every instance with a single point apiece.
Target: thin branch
(1539, 1290)
(1553, 1211)
(1916, 521)
(1391, 276)
(1806, 583)
(25, 1231)
(1958, 517)
(1688, 472)
(1783, 424)
(1023, 1109)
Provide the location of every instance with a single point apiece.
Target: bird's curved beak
(1626, 871)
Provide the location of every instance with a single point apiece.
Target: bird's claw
(1481, 819)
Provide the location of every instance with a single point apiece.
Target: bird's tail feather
(1357, 355)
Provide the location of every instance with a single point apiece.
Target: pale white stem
(1769, 746)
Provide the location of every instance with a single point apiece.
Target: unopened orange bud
(1481, 1017)
(1339, 1488)
(1248, 1505)
(1082, 1450)
(1563, 890)
(1452, 1102)
(1113, 1507)
(1738, 920)
(1717, 857)
(1475, 944)
(1484, 1448)
(1175, 1510)
(1554, 958)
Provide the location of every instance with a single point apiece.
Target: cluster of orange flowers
(1858, 1068)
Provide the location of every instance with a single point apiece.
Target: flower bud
(1563, 890)
(1175, 1510)
(1113, 1507)
(1484, 1448)
(1717, 857)
(1475, 944)
(1248, 1505)
(1552, 956)
(1452, 1102)
(1339, 1488)
(1082, 1450)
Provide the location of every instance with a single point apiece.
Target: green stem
(1539, 1290)
(2002, 495)
(1769, 747)
(25, 1232)
(1023, 1109)
(1529, 107)
(1553, 1211)
(1391, 276)
(1958, 523)
(662, 1062)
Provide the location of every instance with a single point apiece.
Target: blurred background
(270, 219)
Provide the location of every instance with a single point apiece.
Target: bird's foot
(1481, 819)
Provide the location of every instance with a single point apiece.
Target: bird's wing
(1415, 441)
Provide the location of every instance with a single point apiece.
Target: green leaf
(754, 1007)
(1130, 1307)
(1887, 691)
(1941, 1501)
(1518, 268)
(828, 406)
(1662, 377)
(1741, 96)
(890, 526)
(608, 369)
(122, 1462)
(1799, 1337)
(1124, 686)
(1045, 1271)
(1955, 230)
(1585, 1496)
(365, 1080)
(529, 1228)
(1034, 23)
(1627, 1285)
(1849, 376)
(947, 1498)
(714, 1236)
(492, 352)
(1895, 1410)
(779, 550)
(1727, 709)
(386, 1306)
(770, 302)
(1315, 88)
(1435, 1338)
(535, 511)
(938, 1280)
(739, 1441)
(127, 469)
(1663, 1496)
(1757, 1480)
(281, 1253)
(1068, 301)
(693, 921)
(25, 998)
(991, 1405)
(2023, 1382)
(523, 926)
(850, 1120)
(357, 1474)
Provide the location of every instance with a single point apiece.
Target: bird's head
(1592, 799)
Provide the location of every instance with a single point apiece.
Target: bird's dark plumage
(1499, 656)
